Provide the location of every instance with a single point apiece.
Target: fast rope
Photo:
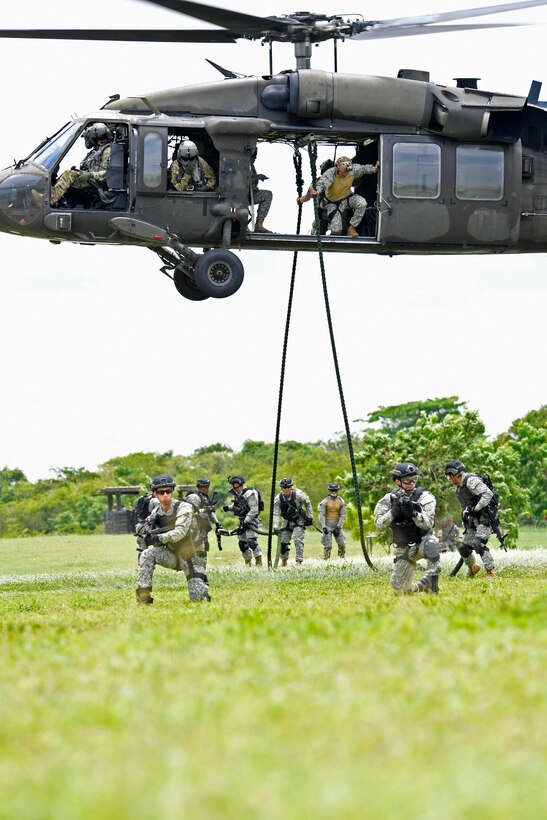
(297, 159)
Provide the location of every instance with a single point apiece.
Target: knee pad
(479, 545)
(242, 546)
(465, 551)
(252, 543)
(431, 548)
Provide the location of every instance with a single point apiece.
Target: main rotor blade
(125, 35)
(411, 31)
(462, 14)
(247, 24)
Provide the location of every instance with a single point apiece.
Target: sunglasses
(164, 492)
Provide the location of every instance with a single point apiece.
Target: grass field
(301, 693)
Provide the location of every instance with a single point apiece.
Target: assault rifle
(494, 523)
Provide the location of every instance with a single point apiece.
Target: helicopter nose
(21, 199)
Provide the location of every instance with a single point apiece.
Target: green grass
(302, 693)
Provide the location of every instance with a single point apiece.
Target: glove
(84, 176)
(261, 177)
(307, 520)
(396, 510)
(470, 509)
(276, 530)
(336, 531)
(325, 531)
(416, 507)
(406, 506)
(226, 508)
(151, 538)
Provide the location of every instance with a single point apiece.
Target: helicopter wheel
(186, 288)
(218, 273)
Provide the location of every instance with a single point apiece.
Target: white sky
(88, 333)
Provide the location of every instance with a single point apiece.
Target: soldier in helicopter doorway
(410, 512)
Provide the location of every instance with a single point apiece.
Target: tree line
(428, 433)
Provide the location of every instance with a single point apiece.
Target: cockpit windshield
(48, 154)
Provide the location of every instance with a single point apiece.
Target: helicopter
(461, 169)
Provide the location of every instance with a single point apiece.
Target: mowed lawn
(306, 692)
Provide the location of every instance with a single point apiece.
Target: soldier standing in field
(410, 512)
(292, 508)
(204, 512)
(450, 535)
(474, 496)
(245, 506)
(332, 515)
(170, 542)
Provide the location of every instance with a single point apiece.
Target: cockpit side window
(48, 154)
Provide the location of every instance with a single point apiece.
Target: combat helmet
(97, 131)
(454, 467)
(333, 487)
(285, 482)
(163, 481)
(236, 479)
(405, 470)
(203, 482)
(187, 151)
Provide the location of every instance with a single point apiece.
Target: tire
(218, 273)
(186, 288)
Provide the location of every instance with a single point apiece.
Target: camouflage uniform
(450, 536)
(291, 512)
(261, 196)
(332, 515)
(336, 211)
(406, 551)
(477, 526)
(140, 527)
(245, 507)
(205, 518)
(198, 174)
(176, 550)
(96, 162)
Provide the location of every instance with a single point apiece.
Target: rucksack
(140, 511)
(260, 502)
(494, 503)
(243, 503)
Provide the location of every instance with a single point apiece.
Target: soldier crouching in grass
(410, 512)
(170, 540)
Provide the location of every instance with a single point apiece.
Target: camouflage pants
(151, 557)
(263, 199)
(337, 212)
(68, 179)
(475, 540)
(403, 569)
(326, 540)
(248, 543)
(296, 531)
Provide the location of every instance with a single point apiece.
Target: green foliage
(398, 417)
(527, 439)
(10, 483)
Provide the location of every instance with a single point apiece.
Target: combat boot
(472, 570)
(434, 584)
(37, 197)
(299, 560)
(248, 562)
(326, 554)
(284, 560)
(490, 573)
(143, 595)
(259, 227)
(258, 560)
(341, 553)
(352, 232)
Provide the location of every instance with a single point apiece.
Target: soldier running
(474, 496)
(245, 505)
(293, 507)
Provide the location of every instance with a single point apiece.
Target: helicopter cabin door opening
(443, 192)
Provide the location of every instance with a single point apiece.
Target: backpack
(260, 502)
(243, 504)
(494, 503)
(140, 511)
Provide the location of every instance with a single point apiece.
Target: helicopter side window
(479, 172)
(416, 170)
(48, 154)
(152, 160)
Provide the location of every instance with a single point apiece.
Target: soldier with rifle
(171, 540)
(246, 506)
(475, 500)
(204, 508)
(410, 512)
(292, 507)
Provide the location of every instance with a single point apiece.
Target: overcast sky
(102, 357)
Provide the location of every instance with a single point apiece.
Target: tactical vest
(333, 508)
(289, 509)
(465, 496)
(405, 531)
(184, 548)
(92, 162)
(240, 504)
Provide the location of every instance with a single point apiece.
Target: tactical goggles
(167, 491)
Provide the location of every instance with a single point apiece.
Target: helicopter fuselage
(461, 170)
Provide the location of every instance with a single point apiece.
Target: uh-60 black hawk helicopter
(461, 169)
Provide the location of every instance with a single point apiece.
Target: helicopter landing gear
(218, 273)
(187, 288)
